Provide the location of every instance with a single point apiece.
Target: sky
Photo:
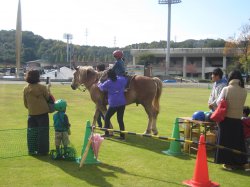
(118, 23)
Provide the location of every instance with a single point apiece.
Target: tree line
(54, 51)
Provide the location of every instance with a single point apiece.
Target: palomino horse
(142, 90)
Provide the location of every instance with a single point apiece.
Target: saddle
(103, 78)
(129, 78)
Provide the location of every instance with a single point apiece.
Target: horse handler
(115, 86)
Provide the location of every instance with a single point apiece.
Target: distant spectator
(100, 67)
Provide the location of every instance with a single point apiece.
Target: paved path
(177, 85)
(23, 82)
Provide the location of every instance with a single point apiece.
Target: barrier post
(175, 147)
(90, 158)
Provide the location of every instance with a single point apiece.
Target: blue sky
(123, 22)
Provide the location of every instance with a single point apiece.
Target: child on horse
(119, 66)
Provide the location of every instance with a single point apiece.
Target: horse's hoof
(111, 134)
(155, 133)
(147, 132)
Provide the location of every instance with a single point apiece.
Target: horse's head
(76, 78)
(83, 75)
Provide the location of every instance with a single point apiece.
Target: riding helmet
(207, 116)
(198, 115)
(118, 54)
(60, 105)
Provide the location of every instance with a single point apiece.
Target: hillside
(36, 47)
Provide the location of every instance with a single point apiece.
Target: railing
(185, 51)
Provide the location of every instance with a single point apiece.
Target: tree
(147, 59)
(240, 48)
(54, 51)
(244, 45)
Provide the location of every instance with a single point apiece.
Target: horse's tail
(158, 94)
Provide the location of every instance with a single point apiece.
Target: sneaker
(58, 157)
(111, 134)
(105, 136)
(120, 138)
(227, 167)
(33, 153)
(42, 154)
(247, 167)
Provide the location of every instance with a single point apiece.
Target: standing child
(62, 127)
(246, 127)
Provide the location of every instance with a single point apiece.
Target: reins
(83, 88)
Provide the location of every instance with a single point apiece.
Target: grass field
(135, 162)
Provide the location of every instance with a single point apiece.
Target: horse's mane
(83, 70)
(88, 73)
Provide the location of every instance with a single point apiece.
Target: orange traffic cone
(201, 178)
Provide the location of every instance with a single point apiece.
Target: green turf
(135, 162)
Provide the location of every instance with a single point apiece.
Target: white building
(186, 62)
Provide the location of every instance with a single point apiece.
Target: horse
(142, 90)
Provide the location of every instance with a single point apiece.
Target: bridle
(82, 88)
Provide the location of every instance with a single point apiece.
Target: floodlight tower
(86, 36)
(68, 37)
(168, 2)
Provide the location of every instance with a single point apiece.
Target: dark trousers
(99, 119)
(120, 113)
(38, 134)
(230, 135)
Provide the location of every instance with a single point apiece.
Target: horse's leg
(152, 117)
(97, 112)
(154, 129)
(149, 129)
(148, 109)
